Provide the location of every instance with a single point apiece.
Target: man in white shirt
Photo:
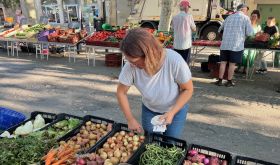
(235, 29)
(183, 25)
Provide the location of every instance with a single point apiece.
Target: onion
(206, 161)
(124, 154)
(131, 134)
(119, 138)
(130, 139)
(192, 152)
(129, 146)
(125, 143)
(81, 161)
(135, 143)
(135, 138)
(134, 148)
(142, 137)
(122, 133)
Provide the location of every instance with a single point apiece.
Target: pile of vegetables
(24, 150)
(195, 158)
(89, 134)
(120, 147)
(60, 128)
(99, 36)
(157, 155)
(27, 128)
(64, 154)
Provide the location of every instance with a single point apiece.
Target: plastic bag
(39, 122)
(24, 129)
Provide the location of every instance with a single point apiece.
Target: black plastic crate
(240, 160)
(207, 151)
(64, 116)
(49, 118)
(94, 119)
(120, 127)
(163, 141)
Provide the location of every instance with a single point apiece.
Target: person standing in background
(183, 25)
(271, 29)
(250, 54)
(235, 29)
(19, 16)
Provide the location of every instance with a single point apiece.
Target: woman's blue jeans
(175, 129)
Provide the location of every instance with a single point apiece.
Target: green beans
(157, 155)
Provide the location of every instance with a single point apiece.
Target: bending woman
(163, 79)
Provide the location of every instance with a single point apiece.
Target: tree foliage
(10, 3)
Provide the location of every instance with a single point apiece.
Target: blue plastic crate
(9, 118)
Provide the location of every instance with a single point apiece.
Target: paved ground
(242, 120)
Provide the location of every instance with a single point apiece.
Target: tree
(165, 15)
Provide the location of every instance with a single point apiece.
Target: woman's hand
(167, 117)
(133, 125)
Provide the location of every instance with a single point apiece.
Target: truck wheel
(211, 33)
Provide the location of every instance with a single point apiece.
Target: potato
(93, 127)
(77, 146)
(83, 127)
(62, 143)
(88, 128)
(103, 126)
(92, 142)
(86, 132)
(88, 123)
(92, 136)
(98, 125)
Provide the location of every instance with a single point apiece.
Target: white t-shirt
(183, 24)
(160, 91)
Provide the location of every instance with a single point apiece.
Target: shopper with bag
(162, 77)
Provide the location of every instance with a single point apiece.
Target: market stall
(54, 139)
(42, 37)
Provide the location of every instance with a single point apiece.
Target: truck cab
(207, 14)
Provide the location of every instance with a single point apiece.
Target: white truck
(207, 14)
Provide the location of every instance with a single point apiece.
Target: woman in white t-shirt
(163, 79)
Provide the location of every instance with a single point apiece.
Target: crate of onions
(201, 155)
(120, 146)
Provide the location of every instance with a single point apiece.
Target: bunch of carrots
(62, 155)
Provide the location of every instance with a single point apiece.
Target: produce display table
(199, 46)
(42, 46)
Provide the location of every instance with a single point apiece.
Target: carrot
(65, 152)
(50, 156)
(63, 159)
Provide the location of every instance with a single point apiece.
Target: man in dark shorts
(235, 29)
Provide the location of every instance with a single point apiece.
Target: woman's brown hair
(140, 43)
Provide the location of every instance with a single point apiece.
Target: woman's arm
(186, 91)
(124, 104)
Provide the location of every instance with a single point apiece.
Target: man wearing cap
(183, 25)
(235, 29)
